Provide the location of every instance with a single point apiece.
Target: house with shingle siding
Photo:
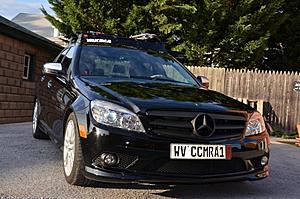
(22, 54)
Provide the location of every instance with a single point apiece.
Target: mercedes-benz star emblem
(204, 125)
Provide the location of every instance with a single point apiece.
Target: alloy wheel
(69, 148)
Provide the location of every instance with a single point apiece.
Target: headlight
(111, 114)
(256, 124)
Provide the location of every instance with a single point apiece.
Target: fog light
(264, 160)
(109, 159)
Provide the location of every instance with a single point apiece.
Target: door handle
(50, 84)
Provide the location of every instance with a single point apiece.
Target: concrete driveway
(31, 168)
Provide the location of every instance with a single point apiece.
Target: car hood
(145, 95)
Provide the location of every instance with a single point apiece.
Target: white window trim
(28, 67)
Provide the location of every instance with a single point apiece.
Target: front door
(60, 98)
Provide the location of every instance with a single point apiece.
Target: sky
(10, 8)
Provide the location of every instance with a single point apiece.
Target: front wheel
(72, 154)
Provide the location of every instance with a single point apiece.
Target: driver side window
(61, 56)
(65, 58)
(66, 62)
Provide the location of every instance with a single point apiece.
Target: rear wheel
(36, 130)
(72, 154)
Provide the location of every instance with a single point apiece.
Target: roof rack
(144, 41)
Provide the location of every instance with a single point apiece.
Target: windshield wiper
(159, 78)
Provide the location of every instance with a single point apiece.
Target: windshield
(118, 62)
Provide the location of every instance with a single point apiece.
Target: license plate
(200, 151)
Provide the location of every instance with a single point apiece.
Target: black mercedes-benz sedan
(124, 110)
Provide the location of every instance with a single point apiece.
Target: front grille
(178, 124)
(202, 167)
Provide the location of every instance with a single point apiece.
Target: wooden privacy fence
(279, 91)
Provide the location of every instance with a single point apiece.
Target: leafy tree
(228, 33)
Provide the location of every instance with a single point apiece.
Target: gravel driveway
(31, 168)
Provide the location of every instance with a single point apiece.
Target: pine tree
(212, 32)
(100, 15)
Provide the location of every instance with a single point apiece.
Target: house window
(26, 67)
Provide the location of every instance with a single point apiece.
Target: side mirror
(53, 69)
(204, 81)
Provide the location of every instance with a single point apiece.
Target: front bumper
(144, 158)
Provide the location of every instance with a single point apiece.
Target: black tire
(76, 177)
(37, 133)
